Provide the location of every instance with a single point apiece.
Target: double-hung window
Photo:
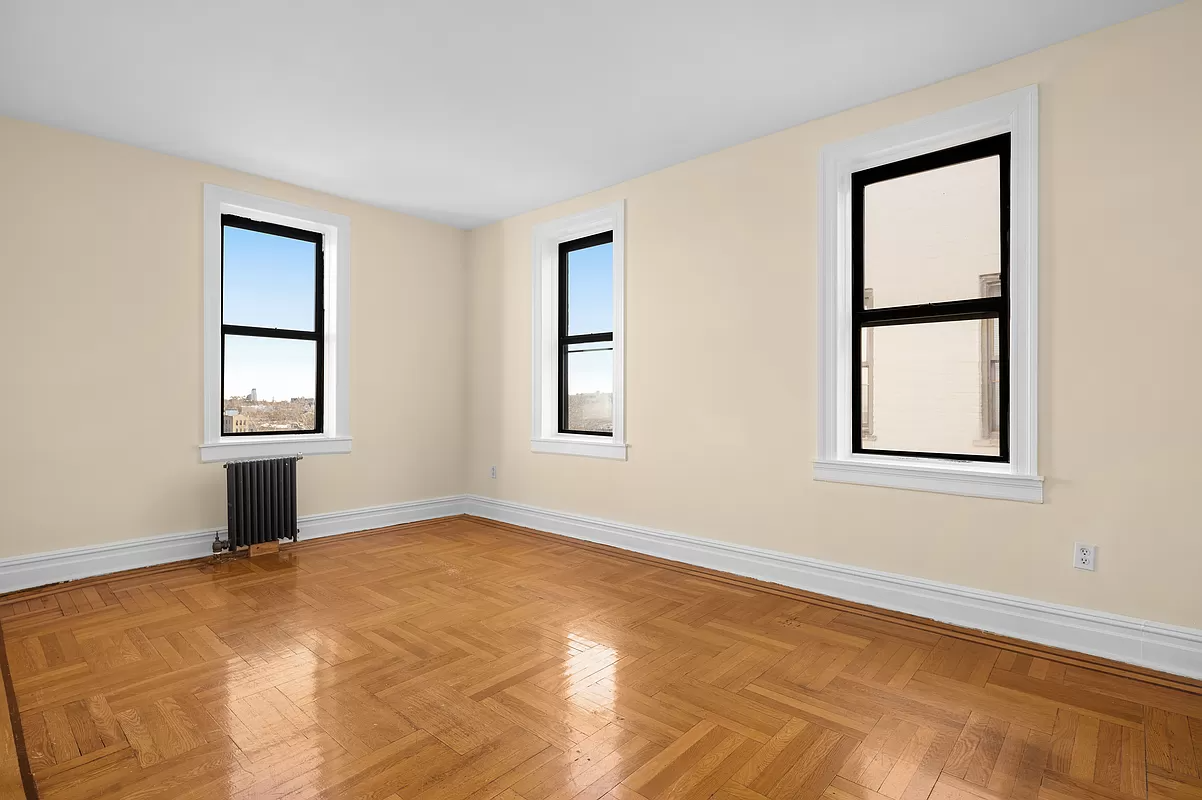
(923, 230)
(928, 313)
(272, 320)
(577, 400)
(586, 337)
(276, 346)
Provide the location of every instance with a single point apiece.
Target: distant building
(593, 411)
(597, 405)
(233, 422)
(253, 396)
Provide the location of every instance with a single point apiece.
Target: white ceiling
(468, 111)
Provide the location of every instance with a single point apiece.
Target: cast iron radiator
(261, 497)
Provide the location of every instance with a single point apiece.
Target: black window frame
(317, 335)
(982, 308)
(566, 341)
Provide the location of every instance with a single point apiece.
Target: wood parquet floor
(462, 659)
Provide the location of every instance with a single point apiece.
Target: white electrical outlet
(1084, 555)
(492, 472)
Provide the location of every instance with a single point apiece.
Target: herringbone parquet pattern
(458, 659)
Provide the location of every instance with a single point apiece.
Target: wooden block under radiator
(264, 548)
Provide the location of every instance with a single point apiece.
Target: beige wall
(100, 319)
(721, 358)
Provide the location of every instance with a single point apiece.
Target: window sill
(580, 446)
(962, 478)
(273, 446)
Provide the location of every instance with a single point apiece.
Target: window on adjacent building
(923, 231)
(276, 306)
(586, 337)
(577, 399)
(991, 366)
(928, 287)
(866, 376)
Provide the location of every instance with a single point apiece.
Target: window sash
(565, 341)
(864, 317)
(316, 335)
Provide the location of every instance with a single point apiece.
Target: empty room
(662, 400)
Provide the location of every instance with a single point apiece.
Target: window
(586, 337)
(276, 303)
(271, 323)
(577, 399)
(928, 291)
(921, 228)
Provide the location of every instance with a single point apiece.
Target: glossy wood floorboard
(462, 660)
(11, 780)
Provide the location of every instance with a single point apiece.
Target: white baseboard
(316, 526)
(1150, 644)
(1133, 641)
(40, 569)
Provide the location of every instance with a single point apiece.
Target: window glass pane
(927, 388)
(591, 290)
(929, 237)
(269, 385)
(591, 387)
(268, 281)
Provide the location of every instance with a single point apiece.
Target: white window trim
(336, 435)
(544, 426)
(1016, 112)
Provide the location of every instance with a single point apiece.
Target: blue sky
(590, 310)
(268, 282)
(279, 369)
(590, 290)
